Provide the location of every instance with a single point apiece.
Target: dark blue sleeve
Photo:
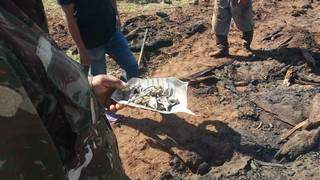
(65, 2)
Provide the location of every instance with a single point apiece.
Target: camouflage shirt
(51, 124)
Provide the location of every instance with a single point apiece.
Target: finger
(119, 106)
(112, 108)
(113, 82)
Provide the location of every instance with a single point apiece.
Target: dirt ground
(242, 104)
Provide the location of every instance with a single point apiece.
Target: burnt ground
(243, 105)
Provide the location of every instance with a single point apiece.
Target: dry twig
(142, 48)
(287, 134)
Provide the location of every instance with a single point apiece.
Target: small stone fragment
(203, 168)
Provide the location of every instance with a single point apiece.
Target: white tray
(179, 92)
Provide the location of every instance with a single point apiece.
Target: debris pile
(154, 97)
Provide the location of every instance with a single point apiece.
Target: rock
(297, 13)
(137, 18)
(149, 177)
(177, 164)
(307, 6)
(290, 173)
(233, 167)
(206, 90)
(167, 1)
(166, 176)
(289, 77)
(293, 106)
(60, 29)
(74, 50)
(253, 165)
(193, 161)
(288, 112)
(303, 142)
(247, 110)
(314, 116)
(195, 2)
(203, 168)
(142, 145)
(153, 46)
(162, 14)
(196, 27)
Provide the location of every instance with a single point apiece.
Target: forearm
(75, 33)
(73, 28)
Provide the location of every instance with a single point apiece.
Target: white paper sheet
(179, 92)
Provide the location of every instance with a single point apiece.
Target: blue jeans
(117, 48)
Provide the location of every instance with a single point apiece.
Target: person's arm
(75, 33)
(115, 6)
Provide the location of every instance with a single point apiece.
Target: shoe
(247, 36)
(223, 47)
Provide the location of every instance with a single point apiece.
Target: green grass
(130, 8)
(138, 9)
(48, 3)
(74, 57)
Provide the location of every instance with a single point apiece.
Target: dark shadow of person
(212, 141)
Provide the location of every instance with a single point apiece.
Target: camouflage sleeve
(62, 97)
(24, 138)
(35, 10)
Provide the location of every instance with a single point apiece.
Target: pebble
(166, 176)
(203, 168)
(291, 172)
(177, 164)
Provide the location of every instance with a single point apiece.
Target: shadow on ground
(212, 141)
(289, 56)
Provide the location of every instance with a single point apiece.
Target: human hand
(84, 57)
(103, 86)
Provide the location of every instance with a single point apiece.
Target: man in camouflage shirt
(52, 123)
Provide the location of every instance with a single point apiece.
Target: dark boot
(247, 36)
(223, 47)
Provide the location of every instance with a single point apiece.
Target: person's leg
(243, 18)
(221, 17)
(220, 25)
(247, 36)
(98, 60)
(119, 50)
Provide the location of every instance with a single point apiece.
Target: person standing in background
(241, 12)
(95, 28)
